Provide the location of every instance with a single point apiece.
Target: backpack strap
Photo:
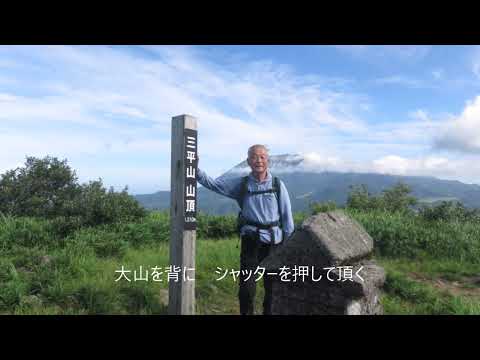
(243, 191)
(276, 188)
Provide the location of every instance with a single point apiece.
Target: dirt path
(468, 286)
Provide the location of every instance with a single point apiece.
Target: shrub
(41, 188)
(149, 231)
(359, 198)
(62, 226)
(48, 188)
(12, 287)
(141, 299)
(216, 226)
(27, 232)
(104, 243)
(320, 207)
(299, 218)
(11, 292)
(95, 300)
(98, 206)
(405, 235)
(449, 211)
(396, 199)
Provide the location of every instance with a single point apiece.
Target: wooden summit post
(183, 211)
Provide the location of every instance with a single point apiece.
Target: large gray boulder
(335, 242)
(340, 238)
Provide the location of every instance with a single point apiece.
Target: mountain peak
(277, 163)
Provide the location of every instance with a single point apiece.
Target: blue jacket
(261, 208)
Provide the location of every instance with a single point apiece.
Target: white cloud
(424, 165)
(7, 98)
(462, 133)
(420, 114)
(314, 160)
(427, 165)
(437, 166)
(120, 102)
(109, 100)
(393, 164)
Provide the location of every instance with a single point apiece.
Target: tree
(395, 199)
(360, 198)
(41, 188)
(49, 188)
(398, 198)
(98, 206)
(449, 211)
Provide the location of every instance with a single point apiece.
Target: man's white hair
(256, 146)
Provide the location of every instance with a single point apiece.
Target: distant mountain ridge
(305, 186)
(277, 163)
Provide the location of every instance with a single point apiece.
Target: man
(265, 221)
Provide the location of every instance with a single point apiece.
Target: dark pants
(253, 251)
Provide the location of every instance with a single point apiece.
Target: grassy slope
(78, 277)
(412, 287)
(79, 282)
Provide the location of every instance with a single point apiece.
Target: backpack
(241, 221)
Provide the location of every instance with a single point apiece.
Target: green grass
(42, 273)
(78, 281)
(84, 283)
(398, 235)
(433, 268)
(404, 295)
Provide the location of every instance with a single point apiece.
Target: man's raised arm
(229, 187)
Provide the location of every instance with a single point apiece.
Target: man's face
(258, 160)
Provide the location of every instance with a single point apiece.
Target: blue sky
(408, 110)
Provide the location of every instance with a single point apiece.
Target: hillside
(305, 185)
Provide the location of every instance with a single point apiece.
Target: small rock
(353, 308)
(24, 270)
(46, 259)
(163, 297)
(31, 301)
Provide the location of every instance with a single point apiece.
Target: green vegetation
(396, 199)
(402, 235)
(48, 188)
(62, 245)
